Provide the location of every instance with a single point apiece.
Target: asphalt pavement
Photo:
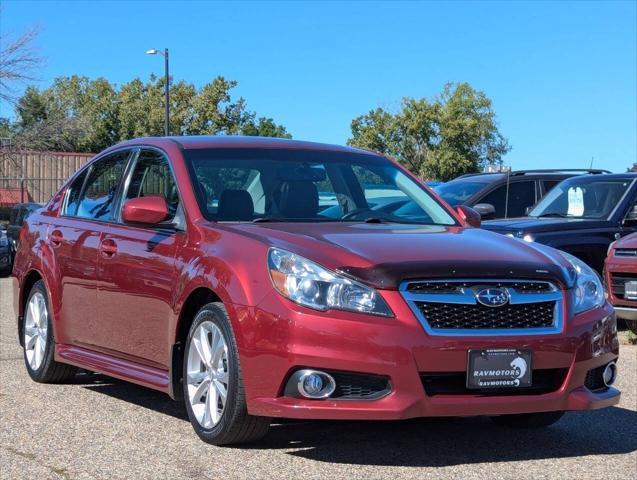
(98, 427)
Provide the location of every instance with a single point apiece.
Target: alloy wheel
(207, 374)
(35, 330)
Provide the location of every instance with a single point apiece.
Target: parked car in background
(19, 213)
(204, 267)
(5, 252)
(503, 195)
(582, 215)
(621, 279)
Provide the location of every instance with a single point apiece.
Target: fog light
(313, 384)
(610, 374)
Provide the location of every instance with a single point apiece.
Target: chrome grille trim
(466, 296)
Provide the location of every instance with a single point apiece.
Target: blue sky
(562, 76)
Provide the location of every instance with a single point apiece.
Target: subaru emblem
(492, 297)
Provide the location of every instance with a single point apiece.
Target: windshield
(262, 185)
(459, 191)
(582, 197)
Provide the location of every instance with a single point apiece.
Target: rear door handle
(108, 248)
(56, 238)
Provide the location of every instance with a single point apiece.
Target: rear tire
(528, 420)
(211, 370)
(39, 341)
(632, 325)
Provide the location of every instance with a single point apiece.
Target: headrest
(298, 199)
(235, 205)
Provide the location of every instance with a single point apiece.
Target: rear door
(75, 238)
(137, 271)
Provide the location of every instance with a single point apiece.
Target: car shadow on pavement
(418, 442)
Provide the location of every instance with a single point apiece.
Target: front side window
(591, 197)
(311, 186)
(100, 189)
(152, 177)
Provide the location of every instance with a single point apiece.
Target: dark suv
(582, 216)
(506, 194)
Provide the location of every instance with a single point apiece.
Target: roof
(235, 141)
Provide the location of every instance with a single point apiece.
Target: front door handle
(56, 238)
(108, 248)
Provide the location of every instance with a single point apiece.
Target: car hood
(629, 241)
(384, 255)
(537, 225)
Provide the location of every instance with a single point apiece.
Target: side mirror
(486, 210)
(146, 210)
(469, 215)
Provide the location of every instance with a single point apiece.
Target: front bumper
(278, 337)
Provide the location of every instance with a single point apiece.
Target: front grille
(452, 286)
(626, 252)
(354, 386)
(472, 317)
(618, 283)
(451, 307)
(455, 383)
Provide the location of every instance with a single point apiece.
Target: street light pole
(154, 51)
(167, 94)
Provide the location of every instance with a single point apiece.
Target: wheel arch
(30, 279)
(197, 298)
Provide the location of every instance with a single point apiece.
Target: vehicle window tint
(497, 198)
(73, 194)
(549, 184)
(101, 187)
(152, 177)
(521, 196)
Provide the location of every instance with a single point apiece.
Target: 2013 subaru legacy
(206, 268)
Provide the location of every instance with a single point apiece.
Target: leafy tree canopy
(79, 114)
(449, 135)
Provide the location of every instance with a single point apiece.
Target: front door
(137, 272)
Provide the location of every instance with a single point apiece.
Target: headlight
(4, 242)
(311, 285)
(588, 291)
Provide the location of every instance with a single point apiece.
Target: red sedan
(258, 278)
(621, 278)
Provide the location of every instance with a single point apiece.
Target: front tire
(212, 382)
(39, 342)
(528, 420)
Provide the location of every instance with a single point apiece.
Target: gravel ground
(102, 428)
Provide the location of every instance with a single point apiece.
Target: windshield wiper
(267, 219)
(553, 214)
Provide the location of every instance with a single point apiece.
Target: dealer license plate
(499, 368)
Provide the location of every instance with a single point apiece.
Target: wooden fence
(37, 175)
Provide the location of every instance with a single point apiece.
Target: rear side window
(99, 194)
(549, 184)
(73, 194)
(152, 177)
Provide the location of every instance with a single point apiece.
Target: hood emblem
(492, 297)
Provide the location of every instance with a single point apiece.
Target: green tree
(454, 133)
(79, 114)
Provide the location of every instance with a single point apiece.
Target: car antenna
(506, 197)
